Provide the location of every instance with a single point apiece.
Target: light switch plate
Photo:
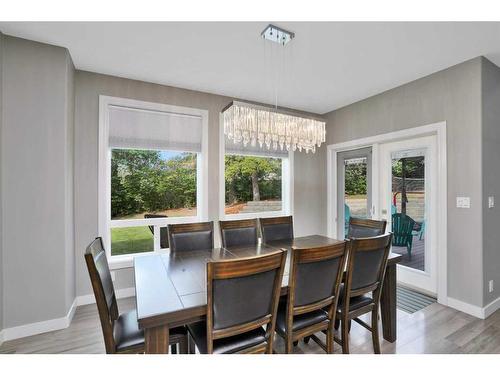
(491, 202)
(463, 202)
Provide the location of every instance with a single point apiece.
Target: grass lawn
(131, 240)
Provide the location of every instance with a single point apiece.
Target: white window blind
(239, 149)
(149, 129)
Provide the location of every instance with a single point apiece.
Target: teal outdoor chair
(402, 229)
(347, 218)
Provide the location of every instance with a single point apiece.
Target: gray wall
(491, 177)
(309, 211)
(37, 160)
(453, 95)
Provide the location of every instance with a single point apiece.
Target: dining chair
(238, 232)
(276, 228)
(121, 331)
(192, 236)
(363, 228)
(242, 297)
(313, 291)
(366, 265)
(163, 230)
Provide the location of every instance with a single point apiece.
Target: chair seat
(355, 302)
(226, 345)
(299, 321)
(128, 335)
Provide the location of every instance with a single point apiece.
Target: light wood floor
(435, 329)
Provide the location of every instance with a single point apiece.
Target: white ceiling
(327, 65)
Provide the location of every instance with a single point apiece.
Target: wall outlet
(463, 202)
(113, 276)
(490, 286)
(491, 202)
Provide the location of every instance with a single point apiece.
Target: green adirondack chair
(402, 228)
(347, 217)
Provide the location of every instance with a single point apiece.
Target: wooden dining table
(171, 287)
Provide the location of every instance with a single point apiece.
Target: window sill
(117, 262)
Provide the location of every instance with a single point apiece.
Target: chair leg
(183, 345)
(329, 339)
(288, 345)
(375, 336)
(306, 339)
(337, 324)
(345, 335)
(173, 348)
(191, 345)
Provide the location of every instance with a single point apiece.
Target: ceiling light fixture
(250, 124)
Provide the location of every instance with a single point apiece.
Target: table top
(171, 287)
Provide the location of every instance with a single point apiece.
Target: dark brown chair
(121, 331)
(366, 265)
(313, 292)
(364, 228)
(238, 232)
(163, 230)
(189, 237)
(276, 228)
(242, 297)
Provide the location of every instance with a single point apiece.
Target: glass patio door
(407, 201)
(354, 181)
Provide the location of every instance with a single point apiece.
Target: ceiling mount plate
(277, 34)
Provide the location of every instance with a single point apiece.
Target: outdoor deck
(417, 254)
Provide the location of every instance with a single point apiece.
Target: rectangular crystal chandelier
(251, 124)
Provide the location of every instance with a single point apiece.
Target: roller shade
(239, 149)
(147, 129)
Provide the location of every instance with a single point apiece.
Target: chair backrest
(104, 292)
(243, 295)
(193, 236)
(163, 230)
(276, 228)
(366, 264)
(363, 228)
(238, 232)
(315, 278)
(402, 227)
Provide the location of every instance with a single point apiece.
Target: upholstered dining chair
(276, 228)
(239, 232)
(242, 297)
(192, 236)
(313, 291)
(163, 230)
(121, 331)
(366, 265)
(362, 228)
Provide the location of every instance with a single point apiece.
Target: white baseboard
(39, 327)
(466, 308)
(491, 307)
(89, 299)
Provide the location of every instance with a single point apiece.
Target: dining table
(171, 290)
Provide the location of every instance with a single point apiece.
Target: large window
(151, 173)
(256, 181)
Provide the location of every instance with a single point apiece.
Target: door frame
(438, 129)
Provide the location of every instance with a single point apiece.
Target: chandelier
(252, 124)
(246, 124)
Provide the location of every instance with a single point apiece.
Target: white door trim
(438, 129)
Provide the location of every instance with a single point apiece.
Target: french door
(354, 181)
(407, 200)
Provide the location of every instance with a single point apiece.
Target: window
(255, 182)
(152, 169)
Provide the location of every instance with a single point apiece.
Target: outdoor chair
(402, 228)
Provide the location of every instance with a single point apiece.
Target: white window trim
(104, 178)
(286, 188)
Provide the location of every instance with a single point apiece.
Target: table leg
(157, 340)
(388, 304)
